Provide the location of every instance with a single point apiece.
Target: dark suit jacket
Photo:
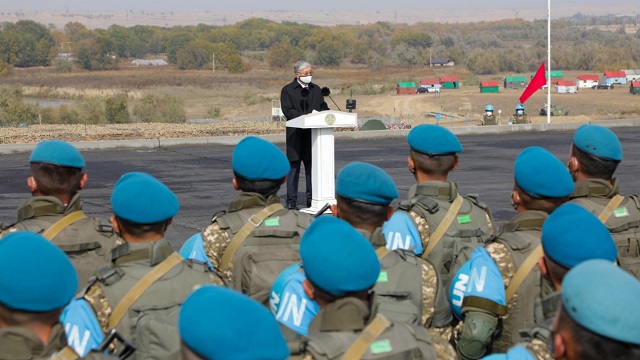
(293, 104)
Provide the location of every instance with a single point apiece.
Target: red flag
(538, 81)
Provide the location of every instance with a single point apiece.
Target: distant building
(489, 86)
(632, 75)
(152, 62)
(406, 88)
(515, 82)
(555, 76)
(442, 62)
(586, 81)
(450, 82)
(634, 88)
(614, 77)
(66, 56)
(566, 87)
(431, 83)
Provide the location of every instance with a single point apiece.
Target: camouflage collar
(21, 343)
(249, 200)
(526, 220)
(47, 205)
(595, 188)
(346, 314)
(150, 252)
(447, 190)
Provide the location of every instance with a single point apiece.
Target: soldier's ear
(334, 210)
(559, 346)
(114, 224)
(390, 211)
(542, 264)
(411, 164)
(235, 184)
(308, 289)
(456, 161)
(31, 182)
(83, 181)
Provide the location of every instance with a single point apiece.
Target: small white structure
(566, 87)
(152, 62)
(323, 181)
(587, 81)
(632, 75)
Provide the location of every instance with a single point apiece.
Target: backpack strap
(244, 232)
(67, 353)
(373, 331)
(523, 271)
(141, 286)
(61, 224)
(610, 208)
(437, 235)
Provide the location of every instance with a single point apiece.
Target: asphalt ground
(201, 175)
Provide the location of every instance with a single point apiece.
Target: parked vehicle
(555, 111)
(426, 89)
(603, 86)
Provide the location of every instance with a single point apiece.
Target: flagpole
(548, 61)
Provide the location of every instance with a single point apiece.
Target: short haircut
(357, 212)
(547, 205)
(594, 166)
(55, 180)
(329, 298)
(300, 65)
(265, 188)
(21, 318)
(592, 346)
(141, 230)
(556, 271)
(433, 165)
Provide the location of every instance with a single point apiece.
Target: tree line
(485, 48)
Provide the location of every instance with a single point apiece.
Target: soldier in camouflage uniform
(143, 209)
(433, 155)
(520, 117)
(31, 303)
(542, 184)
(489, 118)
(593, 160)
(364, 193)
(57, 177)
(570, 235)
(342, 284)
(596, 319)
(203, 337)
(260, 168)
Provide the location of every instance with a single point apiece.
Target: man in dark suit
(300, 97)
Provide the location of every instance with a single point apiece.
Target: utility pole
(548, 61)
(213, 55)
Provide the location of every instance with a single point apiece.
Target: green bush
(62, 66)
(116, 111)
(160, 108)
(13, 111)
(213, 112)
(92, 111)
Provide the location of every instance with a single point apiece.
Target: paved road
(201, 175)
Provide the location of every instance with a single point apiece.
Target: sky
(326, 5)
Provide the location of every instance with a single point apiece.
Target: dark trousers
(292, 182)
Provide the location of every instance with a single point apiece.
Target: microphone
(326, 92)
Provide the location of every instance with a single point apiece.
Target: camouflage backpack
(391, 340)
(269, 243)
(621, 215)
(470, 227)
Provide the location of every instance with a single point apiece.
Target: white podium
(323, 181)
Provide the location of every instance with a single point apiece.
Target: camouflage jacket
(537, 339)
(20, 343)
(489, 120)
(513, 244)
(216, 239)
(131, 262)
(435, 306)
(521, 119)
(88, 241)
(349, 316)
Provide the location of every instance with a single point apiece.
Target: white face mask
(489, 113)
(306, 79)
(520, 112)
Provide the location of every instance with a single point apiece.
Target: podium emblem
(330, 119)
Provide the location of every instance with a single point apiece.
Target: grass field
(249, 95)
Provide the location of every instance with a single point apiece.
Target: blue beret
(541, 175)
(336, 258)
(142, 199)
(518, 352)
(433, 140)
(599, 141)
(57, 152)
(571, 235)
(218, 323)
(599, 295)
(257, 159)
(366, 182)
(35, 276)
